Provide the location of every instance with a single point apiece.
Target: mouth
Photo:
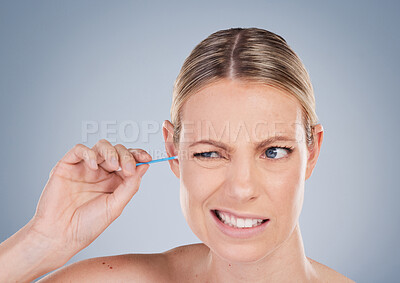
(237, 222)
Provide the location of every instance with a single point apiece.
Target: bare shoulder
(158, 267)
(327, 274)
(119, 268)
(186, 262)
(184, 253)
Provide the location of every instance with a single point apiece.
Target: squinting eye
(277, 152)
(206, 154)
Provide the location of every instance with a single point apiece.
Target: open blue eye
(277, 152)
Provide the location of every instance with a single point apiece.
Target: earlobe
(313, 153)
(168, 134)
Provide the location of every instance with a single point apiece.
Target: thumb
(126, 190)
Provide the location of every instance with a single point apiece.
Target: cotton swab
(153, 161)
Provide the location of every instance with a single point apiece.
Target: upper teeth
(237, 222)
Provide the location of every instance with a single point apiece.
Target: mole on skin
(108, 265)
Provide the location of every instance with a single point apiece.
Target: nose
(242, 180)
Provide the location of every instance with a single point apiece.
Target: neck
(287, 263)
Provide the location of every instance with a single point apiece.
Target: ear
(313, 153)
(168, 133)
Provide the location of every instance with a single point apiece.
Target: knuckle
(109, 152)
(123, 153)
(101, 144)
(140, 153)
(136, 151)
(104, 141)
(81, 150)
(114, 154)
(91, 153)
(120, 146)
(79, 146)
(127, 157)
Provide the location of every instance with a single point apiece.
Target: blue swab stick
(154, 161)
(158, 160)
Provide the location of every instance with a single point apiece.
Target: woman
(246, 135)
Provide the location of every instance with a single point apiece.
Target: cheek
(197, 185)
(287, 190)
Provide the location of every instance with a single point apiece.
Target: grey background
(66, 62)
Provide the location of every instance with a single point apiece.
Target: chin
(230, 244)
(241, 252)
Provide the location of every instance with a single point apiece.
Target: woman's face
(243, 161)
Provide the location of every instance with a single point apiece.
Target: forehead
(228, 107)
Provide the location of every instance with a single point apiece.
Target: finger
(126, 160)
(125, 191)
(81, 152)
(140, 154)
(108, 155)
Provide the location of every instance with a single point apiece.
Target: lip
(240, 233)
(237, 215)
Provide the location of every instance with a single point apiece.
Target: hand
(84, 194)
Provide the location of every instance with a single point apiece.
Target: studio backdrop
(78, 71)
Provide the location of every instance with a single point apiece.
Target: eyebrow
(258, 146)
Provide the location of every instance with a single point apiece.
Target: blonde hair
(248, 54)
